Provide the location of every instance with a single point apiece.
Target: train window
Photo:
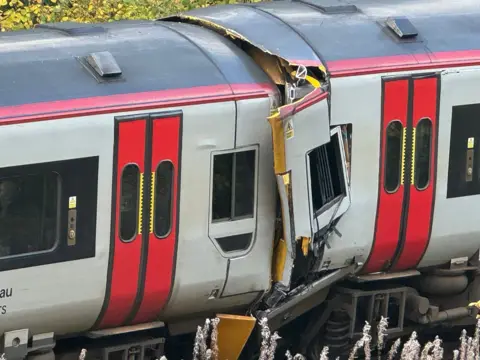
(393, 156)
(29, 213)
(327, 182)
(163, 199)
(129, 202)
(423, 141)
(233, 185)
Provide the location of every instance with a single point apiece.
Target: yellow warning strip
(152, 201)
(279, 162)
(404, 147)
(140, 204)
(412, 180)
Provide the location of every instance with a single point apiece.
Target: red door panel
(123, 276)
(423, 168)
(390, 199)
(162, 237)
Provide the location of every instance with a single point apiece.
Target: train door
(409, 134)
(144, 218)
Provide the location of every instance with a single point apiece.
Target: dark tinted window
(423, 141)
(29, 213)
(163, 198)
(233, 185)
(326, 173)
(393, 157)
(129, 202)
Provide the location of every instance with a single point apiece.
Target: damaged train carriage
(313, 194)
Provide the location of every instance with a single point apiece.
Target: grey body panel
(311, 129)
(459, 87)
(157, 59)
(261, 29)
(363, 34)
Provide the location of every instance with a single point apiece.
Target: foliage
(25, 14)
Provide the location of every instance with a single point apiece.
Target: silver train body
(234, 156)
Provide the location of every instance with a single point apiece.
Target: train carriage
(276, 159)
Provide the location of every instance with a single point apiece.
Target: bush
(25, 14)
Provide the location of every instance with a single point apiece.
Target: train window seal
(418, 170)
(398, 167)
(56, 227)
(157, 204)
(230, 171)
(136, 207)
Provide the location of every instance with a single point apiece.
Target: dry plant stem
(381, 335)
(324, 353)
(463, 345)
(411, 349)
(214, 342)
(288, 355)
(366, 338)
(425, 355)
(196, 346)
(437, 349)
(265, 339)
(83, 354)
(394, 349)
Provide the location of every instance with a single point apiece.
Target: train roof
(337, 31)
(48, 63)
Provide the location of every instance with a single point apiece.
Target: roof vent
(402, 27)
(104, 64)
(331, 6)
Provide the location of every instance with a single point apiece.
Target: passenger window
(326, 174)
(163, 199)
(129, 202)
(233, 185)
(393, 156)
(29, 213)
(423, 140)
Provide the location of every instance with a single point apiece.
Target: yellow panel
(412, 178)
(233, 333)
(404, 147)
(140, 205)
(279, 163)
(305, 243)
(152, 202)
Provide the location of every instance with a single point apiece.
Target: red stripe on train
(166, 143)
(389, 207)
(420, 203)
(130, 143)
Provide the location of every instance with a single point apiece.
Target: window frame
(339, 204)
(415, 179)
(137, 201)
(172, 193)
(222, 228)
(86, 192)
(385, 160)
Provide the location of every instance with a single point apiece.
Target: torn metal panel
(306, 125)
(257, 28)
(285, 252)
